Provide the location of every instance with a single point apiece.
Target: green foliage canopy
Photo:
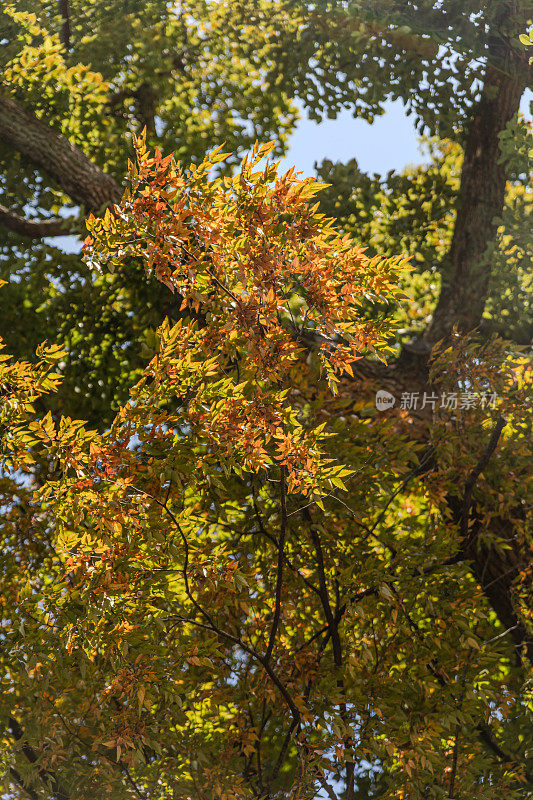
(243, 588)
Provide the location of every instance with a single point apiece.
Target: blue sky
(391, 142)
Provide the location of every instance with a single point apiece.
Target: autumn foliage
(243, 588)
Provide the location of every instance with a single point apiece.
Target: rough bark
(465, 271)
(36, 228)
(66, 30)
(52, 152)
(466, 278)
(462, 301)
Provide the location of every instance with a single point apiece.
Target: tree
(460, 68)
(358, 54)
(242, 589)
(414, 212)
(68, 110)
(468, 503)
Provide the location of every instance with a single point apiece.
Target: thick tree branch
(37, 228)
(485, 735)
(66, 30)
(17, 777)
(465, 270)
(494, 570)
(52, 152)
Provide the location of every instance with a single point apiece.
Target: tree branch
(37, 228)
(66, 29)
(264, 661)
(466, 270)
(475, 474)
(494, 571)
(482, 728)
(17, 777)
(325, 785)
(52, 152)
(47, 777)
(279, 579)
(486, 736)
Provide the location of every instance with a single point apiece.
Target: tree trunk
(66, 29)
(466, 273)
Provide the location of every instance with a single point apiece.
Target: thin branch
(476, 472)
(122, 767)
(273, 539)
(451, 793)
(47, 777)
(221, 285)
(142, 795)
(333, 625)
(413, 474)
(212, 625)
(279, 579)
(265, 716)
(282, 753)
(500, 635)
(455, 755)
(32, 794)
(483, 729)
(261, 659)
(337, 654)
(185, 568)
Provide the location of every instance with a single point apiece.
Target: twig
(476, 472)
(327, 788)
(279, 579)
(451, 793)
(413, 474)
(263, 660)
